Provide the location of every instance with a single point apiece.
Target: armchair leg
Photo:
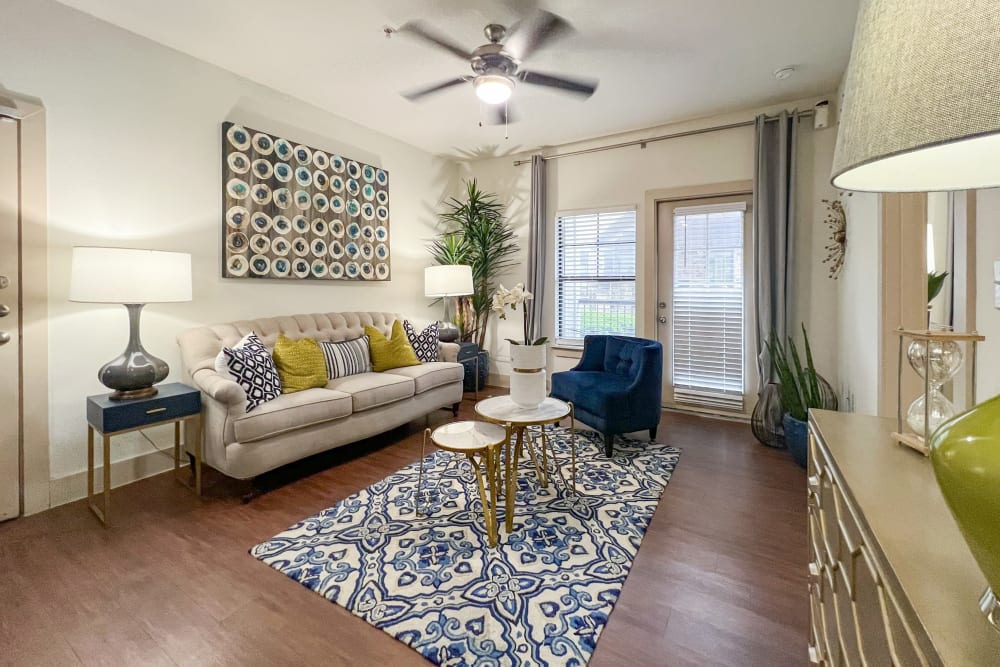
(652, 433)
(609, 444)
(454, 409)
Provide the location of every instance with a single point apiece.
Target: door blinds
(707, 323)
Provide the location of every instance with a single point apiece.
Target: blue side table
(174, 402)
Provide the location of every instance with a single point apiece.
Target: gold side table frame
(516, 442)
(918, 441)
(103, 511)
(489, 459)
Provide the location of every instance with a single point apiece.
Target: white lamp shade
(921, 109)
(129, 275)
(448, 280)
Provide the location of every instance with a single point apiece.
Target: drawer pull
(155, 410)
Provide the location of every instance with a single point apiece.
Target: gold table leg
(192, 429)
(489, 520)
(102, 512)
(512, 455)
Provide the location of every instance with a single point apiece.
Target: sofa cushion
(432, 374)
(288, 412)
(596, 392)
(370, 390)
(622, 356)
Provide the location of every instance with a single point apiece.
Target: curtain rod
(642, 142)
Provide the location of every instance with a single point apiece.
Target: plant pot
(528, 357)
(965, 453)
(527, 388)
(797, 438)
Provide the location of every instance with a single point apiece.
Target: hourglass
(940, 360)
(936, 356)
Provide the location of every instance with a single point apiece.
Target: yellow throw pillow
(393, 352)
(300, 364)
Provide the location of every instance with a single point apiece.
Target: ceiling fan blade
(501, 114)
(420, 93)
(582, 87)
(419, 29)
(536, 31)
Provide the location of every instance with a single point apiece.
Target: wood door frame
(33, 298)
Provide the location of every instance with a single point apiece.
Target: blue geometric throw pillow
(426, 343)
(254, 370)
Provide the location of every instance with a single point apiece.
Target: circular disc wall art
(296, 212)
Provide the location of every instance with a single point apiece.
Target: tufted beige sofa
(293, 426)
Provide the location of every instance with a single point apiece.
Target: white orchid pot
(528, 379)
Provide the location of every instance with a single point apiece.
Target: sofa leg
(454, 409)
(255, 492)
(609, 445)
(652, 433)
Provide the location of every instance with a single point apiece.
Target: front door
(10, 378)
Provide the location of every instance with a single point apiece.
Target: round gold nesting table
(516, 420)
(474, 439)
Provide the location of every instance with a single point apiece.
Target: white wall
(134, 160)
(858, 304)
(624, 176)
(987, 316)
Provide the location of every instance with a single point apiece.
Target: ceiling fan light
(493, 88)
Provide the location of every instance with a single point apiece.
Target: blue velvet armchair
(617, 387)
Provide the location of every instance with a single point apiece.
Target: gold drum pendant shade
(921, 107)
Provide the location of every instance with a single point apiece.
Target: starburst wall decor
(836, 220)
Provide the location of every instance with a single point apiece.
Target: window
(707, 306)
(595, 274)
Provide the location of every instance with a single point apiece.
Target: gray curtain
(773, 219)
(537, 226)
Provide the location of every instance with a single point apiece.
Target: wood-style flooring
(720, 578)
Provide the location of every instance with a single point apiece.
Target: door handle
(4, 337)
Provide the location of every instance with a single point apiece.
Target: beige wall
(134, 160)
(987, 316)
(624, 177)
(859, 306)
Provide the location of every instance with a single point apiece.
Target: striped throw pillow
(346, 357)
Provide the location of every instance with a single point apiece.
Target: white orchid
(514, 298)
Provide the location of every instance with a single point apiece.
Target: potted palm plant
(476, 234)
(801, 388)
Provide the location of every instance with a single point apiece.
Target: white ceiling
(657, 60)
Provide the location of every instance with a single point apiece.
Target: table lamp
(134, 278)
(921, 112)
(448, 281)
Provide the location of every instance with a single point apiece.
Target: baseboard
(73, 487)
(498, 380)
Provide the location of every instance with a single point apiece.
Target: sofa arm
(221, 389)
(448, 351)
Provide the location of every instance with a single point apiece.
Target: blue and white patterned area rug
(432, 582)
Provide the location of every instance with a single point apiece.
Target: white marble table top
(502, 409)
(468, 436)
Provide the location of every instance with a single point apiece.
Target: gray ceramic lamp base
(133, 373)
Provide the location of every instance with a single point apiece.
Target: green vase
(965, 453)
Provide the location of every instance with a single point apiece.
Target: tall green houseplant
(476, 234)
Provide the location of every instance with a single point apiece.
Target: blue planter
(797, 438)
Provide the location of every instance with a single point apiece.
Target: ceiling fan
(496, 66)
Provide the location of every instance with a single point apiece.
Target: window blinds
(595, 274)
(707, 323)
